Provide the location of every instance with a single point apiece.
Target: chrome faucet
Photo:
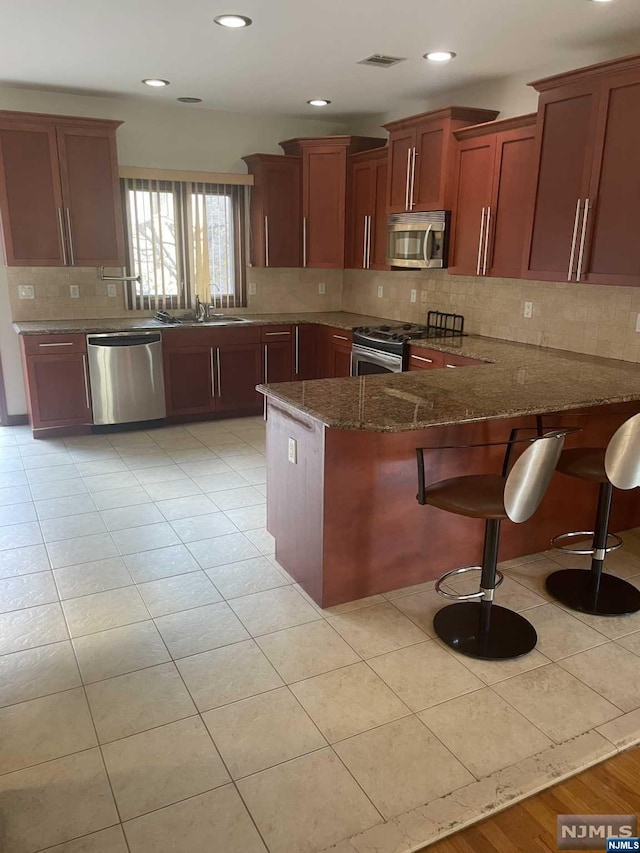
(201, 311)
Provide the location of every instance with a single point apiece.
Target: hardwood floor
(612, 787)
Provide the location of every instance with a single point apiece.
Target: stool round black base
(576, 588)
(492, 633)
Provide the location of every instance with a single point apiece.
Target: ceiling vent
(379, 60)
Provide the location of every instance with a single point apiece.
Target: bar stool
(616, 465)
(475, 626)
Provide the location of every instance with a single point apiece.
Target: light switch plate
(253, 288)
(321, 287)
(74, 290)
(26, 291)
(380, 291)
(414, 295)
(112, 290)
(293, 451)
(528, 310)
(637, 322)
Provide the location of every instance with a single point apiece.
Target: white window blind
(184, 238)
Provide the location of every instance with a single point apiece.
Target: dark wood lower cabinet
(306, 352)
(334, 352)
(239, 370)
(188, 379)
(58, 390)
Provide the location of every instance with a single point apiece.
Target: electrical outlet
(380, 291)
(293, 451)
(321, 287)
(253, 288)
(423, 297)
(414, 295)
(112, 290)
(522, 375)
(528, 310)
(74, 290)
(637, 320)
(26, 291)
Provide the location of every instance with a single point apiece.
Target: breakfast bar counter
(341, 462)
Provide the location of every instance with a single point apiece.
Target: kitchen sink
(223, 318)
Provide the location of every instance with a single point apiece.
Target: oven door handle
(426, 244)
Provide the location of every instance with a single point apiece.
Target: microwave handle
(426, 243)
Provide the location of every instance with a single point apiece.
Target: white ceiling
(300, 49)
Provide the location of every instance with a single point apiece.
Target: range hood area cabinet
(421, 151)
(324, 194)
(59, 193)
(585, 220)
(493, 190)
(276, 218)
(366, 210)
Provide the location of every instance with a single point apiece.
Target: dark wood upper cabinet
(366, 207)
(276, 222)
(59, 196)
(324, 193)
(493, 193)
(421, 152)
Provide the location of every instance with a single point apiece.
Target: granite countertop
(516, 380)
(339, 319)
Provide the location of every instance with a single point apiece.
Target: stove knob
(407, 326)
(385, 328)
(395, 337)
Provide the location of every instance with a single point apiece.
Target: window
(184, 240)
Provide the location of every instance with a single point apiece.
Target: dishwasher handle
(124, 340)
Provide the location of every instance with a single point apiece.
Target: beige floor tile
(222, 550)
(348, 701)
(559, 634)
(102, 482)
(421, 607)
(23, 561)
(556, 702)
(248, 517)
(37, 672)
(160, 563)
(204, 527)
(172, 489)
(220, 482)
(624, 731)
(212, 822)
(63, 506)
(424, 675)
(191, 454)
(611, 671)
(93, 467)
(263, 540)
(348, 606)
(204, 467)
(228, 674)
(58, 488)
(509, 594)
(116, 498)
(533, 575)
(272, 610)
(292, 792)
(70, 552)
(31, 627)
(246, 577)
(162, 766)
(484, 731)
(56, 801)
(19, 513)
(138, 701)
(20, 535)
(138, 461)
(187, 507)
(238, 498)
(122, 518)
(43, 729)
(401, 766)
(631, 642)
(89, 578)
(104, 610)
(106, 841)
(492, 671)
(376, 630)
(245, 460)
(146, 538)
(161, 474)
(119, 650)
(262, 731)
(46, 460)
(27, 591)
(256, 476)
(181, 592)
(200, 629)
(15, 494)
(612, 627)
(306, 650)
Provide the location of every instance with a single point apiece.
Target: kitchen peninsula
(342, 469)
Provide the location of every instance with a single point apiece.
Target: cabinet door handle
(408, 181)
(413, 177)
(219, 371)
(573, 240)
(341, 337)
(275, 334)
(486, 241)
(480, 243)
(451, 365)
(63, 241)
(369, 244)
(71, 252)
(297, 351)
(65, 344)
(304, 241)
(422, 358)
(585, 219)
(266, 241)
(213, 374)
(86, 382)
(364, 244)
(266, 363)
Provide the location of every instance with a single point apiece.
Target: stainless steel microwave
(418, 240)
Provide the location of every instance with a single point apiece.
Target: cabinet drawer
(340, 337)
(54, 344)
(421, 358)
(276, 333)
(178, 338)
(459, 360)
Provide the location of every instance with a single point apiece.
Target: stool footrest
(558, 543)
(471, 596)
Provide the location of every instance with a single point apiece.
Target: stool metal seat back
(622, 457)
(530, 476)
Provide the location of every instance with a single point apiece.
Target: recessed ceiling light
(440, 55)
(156, 82)
(190, 100)
(319, 102)
(234, 22)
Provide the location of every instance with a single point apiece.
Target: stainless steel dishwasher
(127, 382)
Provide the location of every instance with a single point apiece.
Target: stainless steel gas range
(385, 349)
